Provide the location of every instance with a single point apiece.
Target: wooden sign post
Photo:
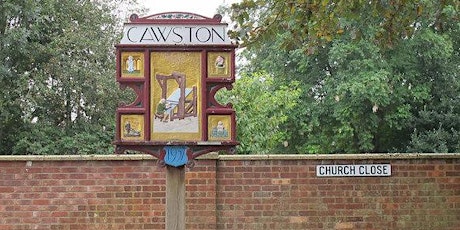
(175, 198)
(175, 62)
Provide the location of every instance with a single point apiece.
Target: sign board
(175, 34)
(175, 62)
(367, 170)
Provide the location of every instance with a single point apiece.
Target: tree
(58, 71)
(371, 75)
(260, 119)
(313, 23)
(436, 124)
(14, 59)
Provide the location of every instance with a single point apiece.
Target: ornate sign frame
(175, 62)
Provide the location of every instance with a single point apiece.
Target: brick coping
(216, 156)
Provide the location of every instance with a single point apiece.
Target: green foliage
(375, 76)
(433, 76)
(310, 24)
(349, 100)
(57, 75)
(45, 139)
(262, 108)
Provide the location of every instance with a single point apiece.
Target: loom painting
(175, 92)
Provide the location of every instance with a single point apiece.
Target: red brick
(69, 170)
(197, 181)
(243, 169)
(59, 214)
(4, 189)
(453, 173)
(232, 163)
(79, 176)
(41, 202)
(105, 195)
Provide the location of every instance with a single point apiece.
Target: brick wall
(230, 192)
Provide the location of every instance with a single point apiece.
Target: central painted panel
(175, 88)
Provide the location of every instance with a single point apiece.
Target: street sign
(353, 170)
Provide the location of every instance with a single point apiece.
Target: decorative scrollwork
(138, 90)
(176, 15)
(212, 93)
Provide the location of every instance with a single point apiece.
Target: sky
(205, 8)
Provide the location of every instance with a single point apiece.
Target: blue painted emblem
(176, 155)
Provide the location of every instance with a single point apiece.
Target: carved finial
(218, 17)
(133, 17)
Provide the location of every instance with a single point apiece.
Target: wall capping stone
(216, 156)
(111, 157)
(362, 156)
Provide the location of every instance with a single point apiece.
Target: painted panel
(219, 127)
(132, 65)
(175, 96)
(132, 127)
(219, 64)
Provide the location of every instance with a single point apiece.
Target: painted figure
(130, 64)
(220, 62)
(163, 110)
(127, 128)
(130, 132)
(219, 130)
